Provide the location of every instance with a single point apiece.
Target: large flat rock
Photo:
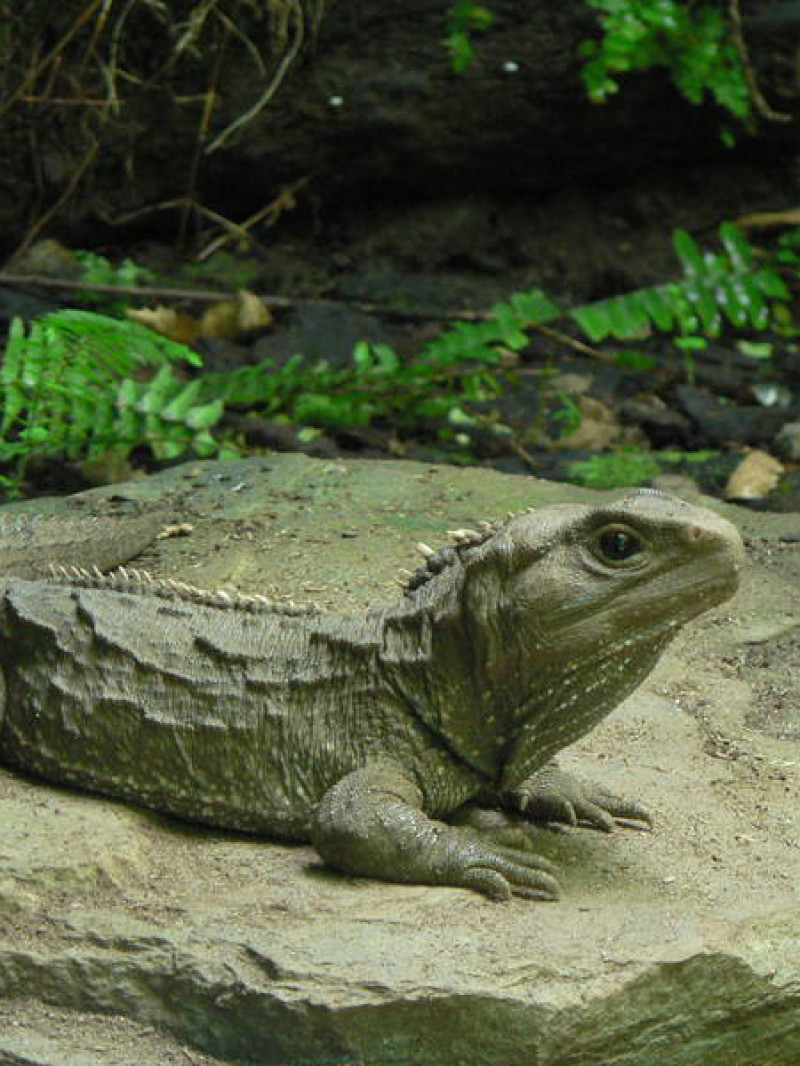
(131, 940)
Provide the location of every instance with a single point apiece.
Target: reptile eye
(618, 544)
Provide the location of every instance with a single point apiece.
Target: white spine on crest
(142, 582)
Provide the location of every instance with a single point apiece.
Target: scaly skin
(363, 733)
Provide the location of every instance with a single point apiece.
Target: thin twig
(210, 99)
(522, 453)
(227, 224)
(159, 292)
(34, 71)
(242, 37)
(284, 201)
(72, 185)
(760, 104)
(579, 346)
(143, 291)
(271, 89)
(214, 296)
(63, 101)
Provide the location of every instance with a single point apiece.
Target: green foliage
(77, 384)
(463, 19)
(730, 284)
(568, 414)
(693, 41)
(85, 385)
(230, 270)
(628, 466)
(633, 359)
(761, 350)
(72, 385)
(97, 270)
(688, 347)
(458, 367)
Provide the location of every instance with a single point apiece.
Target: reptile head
(548, 621)
(578, 578)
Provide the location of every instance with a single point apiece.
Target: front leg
(551, 795)
(371, 823)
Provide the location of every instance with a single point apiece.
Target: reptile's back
(224, 716)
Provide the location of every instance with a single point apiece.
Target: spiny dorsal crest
(462, 541)
(142, 583)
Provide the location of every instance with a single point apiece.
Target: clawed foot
(371, 824)
(554, 796)
(498, 871)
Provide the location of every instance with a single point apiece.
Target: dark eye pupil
(617, 544)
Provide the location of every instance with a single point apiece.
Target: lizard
(378, 736)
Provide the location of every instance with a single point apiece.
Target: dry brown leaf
(755, 476)
(227, 318)
(177, 325)
(240, 314)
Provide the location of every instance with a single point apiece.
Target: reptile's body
(360, 732)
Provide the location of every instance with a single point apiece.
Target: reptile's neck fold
(445, 657)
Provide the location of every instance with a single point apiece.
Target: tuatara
(371, 735)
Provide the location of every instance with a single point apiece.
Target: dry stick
(97, 32)
(201, 295)
(285, 303)
(271, 89)
(761, 105)
(54, 52)
(579, 346)
(522, 453)
(43, 220)
(284, 201)
(227, 224)
(212, 296)
(244, 40)
(63, 101)
(210, 99)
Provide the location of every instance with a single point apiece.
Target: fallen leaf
(177, 325)
(240, 314)
(755, 477)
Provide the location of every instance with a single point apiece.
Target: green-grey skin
(362, 733)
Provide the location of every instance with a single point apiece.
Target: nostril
(695, 533)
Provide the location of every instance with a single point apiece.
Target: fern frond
(69, 386)
(729, 284)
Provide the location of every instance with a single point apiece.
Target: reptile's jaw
(718, 541)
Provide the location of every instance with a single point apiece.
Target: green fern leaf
(705, 305)
(156, 396)
(771, 284)
(10, 375)
(737, 246)
(689, 254)
(205, 416)
(182, 403)
(534, 307)
(594, 320)
(67, 386)
(656, 304)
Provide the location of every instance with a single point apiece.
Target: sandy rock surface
(128, 939)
